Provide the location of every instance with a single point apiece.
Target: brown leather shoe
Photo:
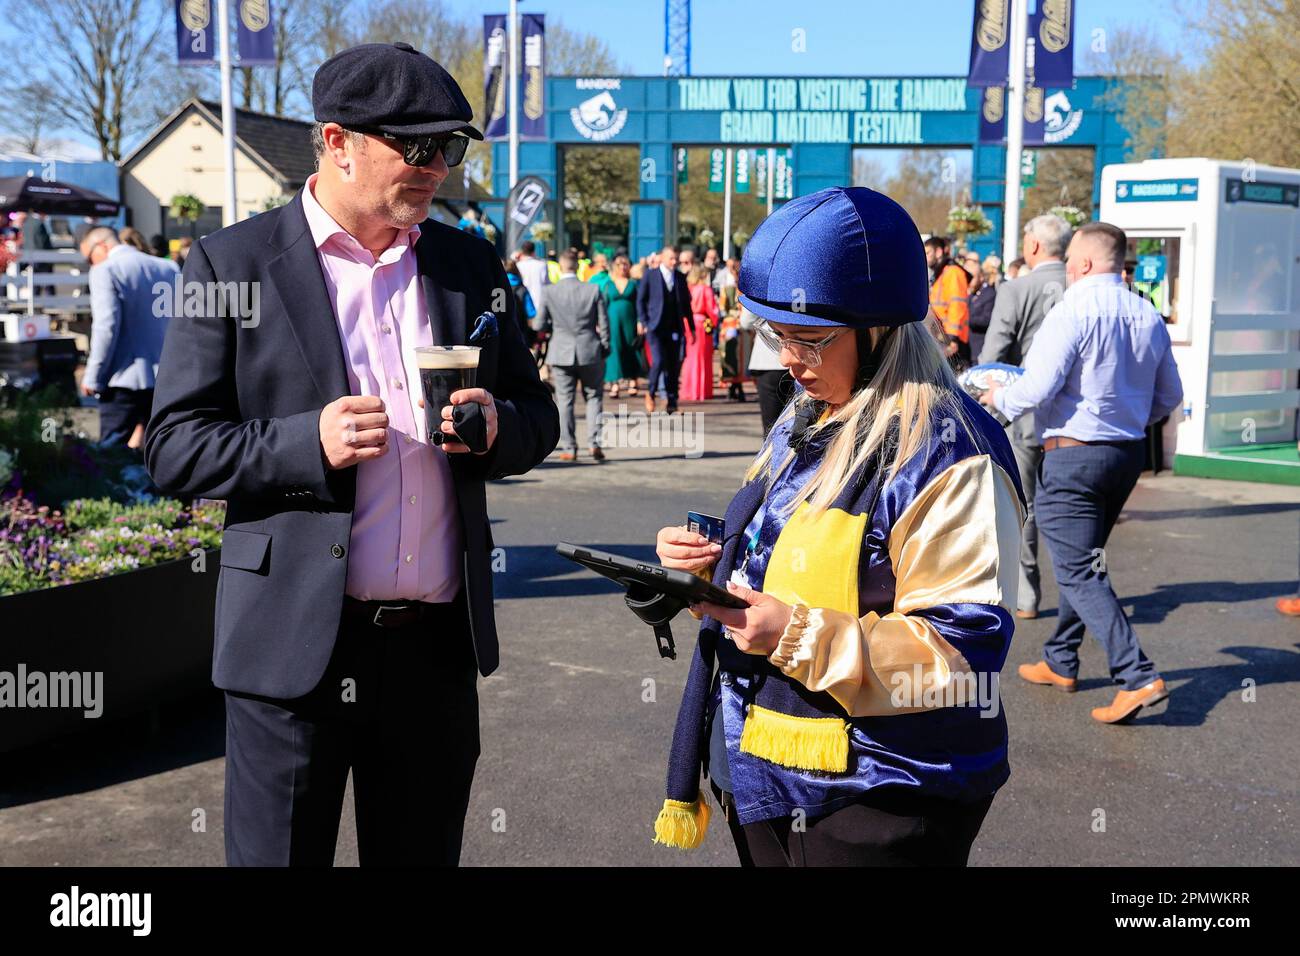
(1040, 673)
(597, 454)
(1128, 702)
(1027, 615)
(1290, 606)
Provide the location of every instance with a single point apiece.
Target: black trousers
(775, 389)
(883, 829)
(120, 410)
(399, 708)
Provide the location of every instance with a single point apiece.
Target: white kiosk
(1216, 247)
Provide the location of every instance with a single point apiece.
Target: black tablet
(680, 584)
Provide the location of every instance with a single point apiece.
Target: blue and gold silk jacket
(886, 676)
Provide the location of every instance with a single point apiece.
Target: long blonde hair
(912, 382)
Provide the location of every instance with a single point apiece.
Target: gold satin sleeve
(957, 542)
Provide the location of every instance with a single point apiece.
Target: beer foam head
(455, 356)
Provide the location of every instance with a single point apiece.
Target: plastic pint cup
(444, 369)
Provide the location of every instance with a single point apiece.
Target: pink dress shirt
(407, 542)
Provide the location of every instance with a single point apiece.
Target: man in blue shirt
(1100, 371)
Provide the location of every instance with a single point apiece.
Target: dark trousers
(666, 360)
(120, 410)
(1081, 491)
(775, 389)
(883, 829)
(399, 708)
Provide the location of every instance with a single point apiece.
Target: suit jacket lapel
(300, 285)
(443, 292)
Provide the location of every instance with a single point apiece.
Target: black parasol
(33, 194)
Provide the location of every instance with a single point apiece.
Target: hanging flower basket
(706, 238)
(543, 231)
(1075, 216)
(186, 208)
(968, 221)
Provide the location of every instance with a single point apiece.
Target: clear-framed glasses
(805, 352)
(419, 149)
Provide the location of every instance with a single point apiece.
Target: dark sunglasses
(419, 149)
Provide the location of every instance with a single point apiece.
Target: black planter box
(149, 632)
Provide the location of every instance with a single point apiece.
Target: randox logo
(598, 118)
(1054, 30)
(195, 14)
(991, 27)
(1060, 121)
(256, 14)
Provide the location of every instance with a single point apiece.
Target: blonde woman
(850, 715)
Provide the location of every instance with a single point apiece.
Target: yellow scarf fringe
(805, 743)
(682, 824)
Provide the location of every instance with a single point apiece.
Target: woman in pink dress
(697, 369)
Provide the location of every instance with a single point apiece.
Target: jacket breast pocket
(247, 550)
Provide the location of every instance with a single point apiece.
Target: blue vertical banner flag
(993, 116)
(532, 77)
(256, 33)
(195, 33)
(1051, 35)
(496, 65)
(990, 44)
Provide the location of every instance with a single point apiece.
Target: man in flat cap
(354, 604)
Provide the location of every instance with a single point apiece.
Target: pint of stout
(443, 369)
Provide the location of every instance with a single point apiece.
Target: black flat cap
(390, 88)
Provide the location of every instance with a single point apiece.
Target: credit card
(707, 525)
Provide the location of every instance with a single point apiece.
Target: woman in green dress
(624, 363)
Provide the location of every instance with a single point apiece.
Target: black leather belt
(391, 613)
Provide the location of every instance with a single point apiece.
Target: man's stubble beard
(403, 214)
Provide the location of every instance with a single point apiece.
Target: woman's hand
(685, 550)
(758, 628)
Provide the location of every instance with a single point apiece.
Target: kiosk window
(1253, 277)
(1153, 268)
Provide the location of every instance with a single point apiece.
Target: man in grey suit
(577, 351)
(129, 311)
(1018, 311)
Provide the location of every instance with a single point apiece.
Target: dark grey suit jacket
(236, 416)
(1018, 311)
(575, 312)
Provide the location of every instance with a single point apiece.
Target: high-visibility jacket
(949, 300)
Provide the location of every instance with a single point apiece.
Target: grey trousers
(566, 378)
(1028, 457)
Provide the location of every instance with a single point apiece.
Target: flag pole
(1015, 131)
(512, 91)
(227, 109)
(726, 210)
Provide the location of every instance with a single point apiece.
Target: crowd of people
(669, 325)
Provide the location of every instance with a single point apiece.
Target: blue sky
(854, 37)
